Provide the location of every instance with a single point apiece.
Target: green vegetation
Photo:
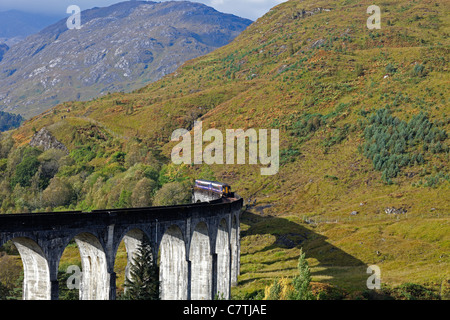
(64, 277)
(302, 282)
(10, 121)
(26, 169)
(363, 119)
(143, 283)
(98, 173)
(392, 144)
(298, 289)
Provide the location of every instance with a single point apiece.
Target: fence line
(318, 219)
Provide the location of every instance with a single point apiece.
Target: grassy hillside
(363, 120)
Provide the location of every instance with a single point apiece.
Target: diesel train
(217, 187)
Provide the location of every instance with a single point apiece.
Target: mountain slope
(363, 120)
(118, 48)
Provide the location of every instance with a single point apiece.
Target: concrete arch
(36, 283)
(201, 263)
(95, 279)
(223, 260)
(173, 267)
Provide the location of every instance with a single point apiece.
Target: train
(214, 186)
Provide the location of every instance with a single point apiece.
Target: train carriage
(214, 186)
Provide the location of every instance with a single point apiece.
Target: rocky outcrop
(307, 13)
(393, 210)
(43, 138)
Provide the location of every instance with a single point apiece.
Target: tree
(58, 193)
(274, 291)
(25, 171)
(143, 283)
(142, 193)
(302, 282)
(124, 199)
(50, 163)
(297, 289)
(173, 193)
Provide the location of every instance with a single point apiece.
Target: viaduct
(197, 245)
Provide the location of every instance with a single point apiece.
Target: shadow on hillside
(333, 263)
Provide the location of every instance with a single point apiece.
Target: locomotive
(214, 186)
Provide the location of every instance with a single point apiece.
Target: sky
(250, 9)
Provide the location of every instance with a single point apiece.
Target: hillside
(118, 48)
(363, 120)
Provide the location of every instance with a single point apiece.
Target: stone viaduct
(197, 245)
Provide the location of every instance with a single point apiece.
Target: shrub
(119, 157)
(419, 71)
(289, 155)
(390, 68)
(411, 291)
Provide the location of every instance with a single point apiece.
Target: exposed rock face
(43, 138)
(118, 48)
(393, 210)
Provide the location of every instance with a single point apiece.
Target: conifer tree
(275, 291)
(302, 282)
(143, 283)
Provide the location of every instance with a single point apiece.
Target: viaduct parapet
(197, 245)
